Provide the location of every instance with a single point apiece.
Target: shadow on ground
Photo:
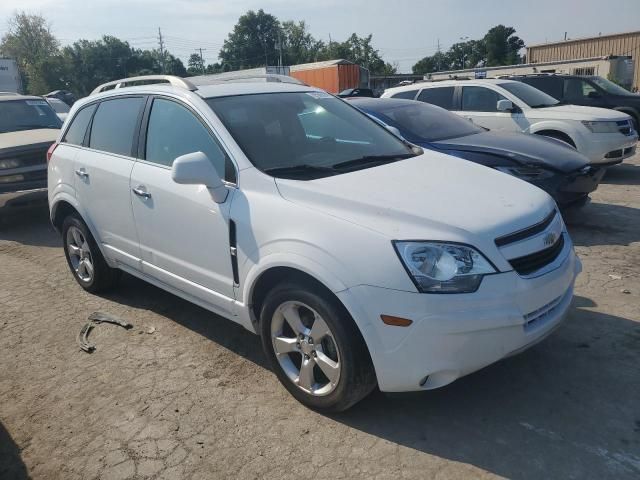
(29, 226)
(547, 413)
(624, 174)
(11, 464)
(603, 224)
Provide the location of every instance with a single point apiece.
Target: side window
(174, 131)
(480, 99)
(78, 128)
(408, 94)
(441, 97)
(577, 89)
(114, 125)
(551, 86)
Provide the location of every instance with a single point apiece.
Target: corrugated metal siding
(622, 44)
(325, 78)
(348, 77)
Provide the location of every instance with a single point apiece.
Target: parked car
(359, 258)
(61, 108)
(591, 91)
(65, 95)
(554, 166)
(357, 92)
(604, 136)
(28, 127)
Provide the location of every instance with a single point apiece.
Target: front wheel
(315, 348)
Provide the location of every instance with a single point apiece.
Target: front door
(184, 233)
(479, 104)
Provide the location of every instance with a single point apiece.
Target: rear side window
(78, 128)
(480, 99)
(174, 131)
(441, 97)
(576, 89)
(408, 94)
(114, 125)
(550, 86)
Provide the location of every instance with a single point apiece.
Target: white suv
(359, 259)
(604, 136)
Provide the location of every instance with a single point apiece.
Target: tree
(252, 43)
(361, 51)
(502, 46)
(30, 42)
(195, 65)
(298, 45)
(469, 54)
(435, 63)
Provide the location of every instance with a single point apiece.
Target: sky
(403, 31)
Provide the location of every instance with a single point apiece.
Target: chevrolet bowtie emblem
(549, 239)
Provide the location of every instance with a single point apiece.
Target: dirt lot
(195, 400)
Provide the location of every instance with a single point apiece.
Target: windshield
(419, 122)
(529, 95)
(610, 87)
(305, 134)
(18, 115)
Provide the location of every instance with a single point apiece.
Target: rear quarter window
(408, 94)
(78, 128)
(114, 125)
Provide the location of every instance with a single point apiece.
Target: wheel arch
(554, 133)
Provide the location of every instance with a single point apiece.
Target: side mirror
(196, 169)
(394, 130)
(504, 105)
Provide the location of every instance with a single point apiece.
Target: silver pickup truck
(28, 127)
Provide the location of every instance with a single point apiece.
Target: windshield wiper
(303, 168)
(368, 160)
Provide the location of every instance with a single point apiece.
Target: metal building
(627, 43)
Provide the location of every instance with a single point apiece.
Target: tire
(82, 252)
(338, 344)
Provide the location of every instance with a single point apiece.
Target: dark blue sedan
(547, 163)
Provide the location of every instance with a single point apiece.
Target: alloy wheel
(79, 254)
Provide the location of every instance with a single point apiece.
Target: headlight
(526, 173)
(443, 267)
(602, 127)
(9, 163)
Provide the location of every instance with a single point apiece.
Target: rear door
(102, 172)
(438, 96)
(184, 233)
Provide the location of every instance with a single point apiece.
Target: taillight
(50, 151)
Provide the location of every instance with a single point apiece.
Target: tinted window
(551, 86)
(480, 99)
(174, 131)
(441, 97)
(114, 125)
(28, 114)
(58, 105)
(409, 94)
(419, 122)
(531, 96)
(78, 128)
(577, 89)
(309, 129)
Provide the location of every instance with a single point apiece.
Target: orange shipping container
(332, 76)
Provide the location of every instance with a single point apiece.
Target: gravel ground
(195, 400)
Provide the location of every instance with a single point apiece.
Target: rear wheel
(315, 348)
(84, 258)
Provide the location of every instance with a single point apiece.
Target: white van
(360, 259)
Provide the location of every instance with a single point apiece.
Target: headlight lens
(601, 127)
(9, 163)
(526, 173)
(443, 267)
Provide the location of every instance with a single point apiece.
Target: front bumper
(605, 149)
(573, 187)
(454, 335)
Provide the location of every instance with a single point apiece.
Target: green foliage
(252, 42)
(498, 47)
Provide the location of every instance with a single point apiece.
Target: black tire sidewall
(356, 375)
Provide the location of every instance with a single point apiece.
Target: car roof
(376, 103)
(17, 96)
(437, 83)
(248, 88)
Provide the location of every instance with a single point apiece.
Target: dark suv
(591, 91)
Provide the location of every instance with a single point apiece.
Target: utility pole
(280, 51)
(438, 61)
(202, 60)
(161, 42)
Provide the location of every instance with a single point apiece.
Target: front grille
(535, 261)
(527, 232)
(36, 156)
(625, 127)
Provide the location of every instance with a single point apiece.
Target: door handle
(141, 192)
(82, 173)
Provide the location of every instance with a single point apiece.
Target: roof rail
(124, 82)
(239, 77)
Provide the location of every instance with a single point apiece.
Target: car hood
(576, 112)
(431, 196)
(519, 147)
(28, 137)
